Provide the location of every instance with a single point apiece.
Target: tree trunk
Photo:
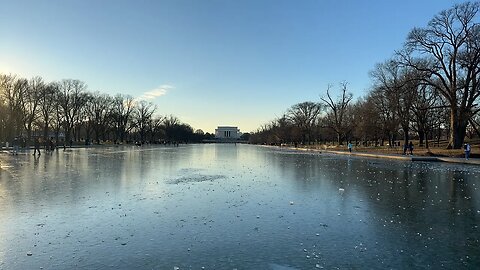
(29, 134)
(421, 137)
(97, 135)
(458, 136)
(458, 128)
(406, 138)
(45, 131)
(122, 136)
(67, 137)
(439, 134)
(57, 135)
(426, 139)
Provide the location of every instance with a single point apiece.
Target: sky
(209, 62)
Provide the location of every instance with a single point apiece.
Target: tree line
(428, 89)
(66, 111)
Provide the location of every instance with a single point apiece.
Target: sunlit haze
(211, 62)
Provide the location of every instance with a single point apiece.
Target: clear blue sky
(209, 62)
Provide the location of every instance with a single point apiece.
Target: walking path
(394, 156)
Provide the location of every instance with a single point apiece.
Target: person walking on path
(410, 147)
(350, 147)
(405, 148)
(36, 146)
(467, 149)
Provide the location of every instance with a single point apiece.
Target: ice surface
(234, 207)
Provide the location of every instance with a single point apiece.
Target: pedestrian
(410, 147)
(54, 145)
(350, 147)
(467, 149)
(36, 146)
(405, 147)
(51, 145)
(15, 145)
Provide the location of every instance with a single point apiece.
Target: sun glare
(4, 70)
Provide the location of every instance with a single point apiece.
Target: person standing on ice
(15, 145)
(36, 146)
(467, 149)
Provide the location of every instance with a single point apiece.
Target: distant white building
(226, 132)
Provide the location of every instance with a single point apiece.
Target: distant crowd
(19, 142)
(50, 144)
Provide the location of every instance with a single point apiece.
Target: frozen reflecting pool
(234, 207)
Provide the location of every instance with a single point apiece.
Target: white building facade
(226, 132)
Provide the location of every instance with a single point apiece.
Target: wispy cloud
(157, 92)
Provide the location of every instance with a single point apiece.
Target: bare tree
(399, 85)
(12, 89)
(98, 110)
(47, 103)
(450, 51)
(424, 109)
(66, 107)
(123, 107)
(72, 98)
(143, 118)
(168, 126)
(157, 129)
(388, 118)
(336, 118)
(30, 101)
(304, 116)
(3, 118)
(285, 129)
(368, 121)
